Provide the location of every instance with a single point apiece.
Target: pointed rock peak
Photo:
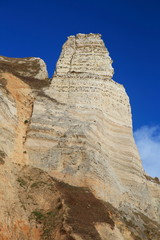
(85, 53)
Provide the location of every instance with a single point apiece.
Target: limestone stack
(81, 126)
(76, 130)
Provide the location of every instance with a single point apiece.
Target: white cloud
(148, 143)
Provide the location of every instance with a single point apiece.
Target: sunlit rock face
(85, 53)
(82, 129)
(76, 130)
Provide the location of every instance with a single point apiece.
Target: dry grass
(76, 207)
(155, 180)
(84, 211)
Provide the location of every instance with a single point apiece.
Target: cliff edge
(70, 169)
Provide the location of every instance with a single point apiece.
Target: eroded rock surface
(30, 67)
(67, 154)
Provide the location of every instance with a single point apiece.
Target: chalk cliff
(70, 168)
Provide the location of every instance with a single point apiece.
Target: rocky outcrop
(68, 150)
(30, 67)
(18, 76)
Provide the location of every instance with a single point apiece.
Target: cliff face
(69, 166)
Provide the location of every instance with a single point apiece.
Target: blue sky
(130, 30)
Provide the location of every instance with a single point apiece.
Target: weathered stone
(78, 131)
(30, 67)
(82, 128)
(85, 53)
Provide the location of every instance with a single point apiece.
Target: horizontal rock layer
(77, 130)
(85, 53)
